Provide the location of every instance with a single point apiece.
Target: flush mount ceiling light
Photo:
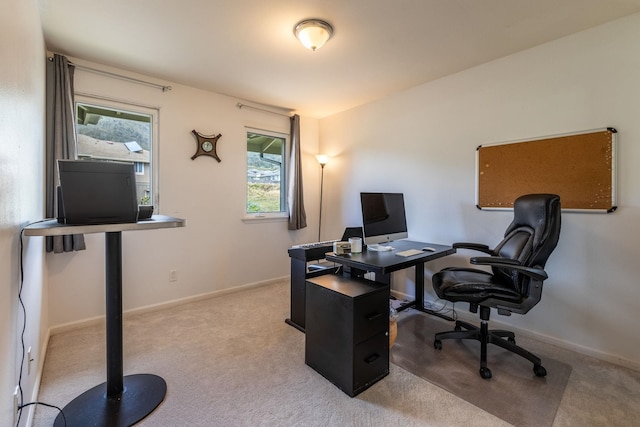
(313, 33)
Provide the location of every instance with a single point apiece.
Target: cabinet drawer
(371, 316)
(371, 361)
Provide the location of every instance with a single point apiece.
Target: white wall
(21, 200)
(216, 250)
(422, 142)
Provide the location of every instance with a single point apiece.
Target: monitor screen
(95, 192)
(383, 217)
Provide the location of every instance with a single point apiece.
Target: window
(109, 131)
(266, 173)
(139, 168)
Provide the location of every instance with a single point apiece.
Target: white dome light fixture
(313, 33)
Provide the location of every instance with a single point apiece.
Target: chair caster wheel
(485, 373)
(437, 344)
(539, 371)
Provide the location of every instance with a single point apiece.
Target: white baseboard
(164, 305)
(31, 410)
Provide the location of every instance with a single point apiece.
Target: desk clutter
(354, 245)
(341, 248)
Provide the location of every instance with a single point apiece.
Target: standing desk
(121, 400)
(383, 263)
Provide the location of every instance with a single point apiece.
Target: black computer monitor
(383, 217)
(96, 192)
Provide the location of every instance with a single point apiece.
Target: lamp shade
(323, 159)
(313, 33)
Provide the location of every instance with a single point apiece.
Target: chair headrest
(540, 212)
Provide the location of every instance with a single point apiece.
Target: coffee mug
(356, 245)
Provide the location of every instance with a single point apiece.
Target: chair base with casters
(501, 338)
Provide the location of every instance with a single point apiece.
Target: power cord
(21, 404)
(442, 309)
(64, 419)
(24, 326)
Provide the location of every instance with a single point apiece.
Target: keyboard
(311, 251)
(314, 244)
(410, 252)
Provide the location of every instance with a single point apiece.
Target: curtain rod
(120, 76)
(241, 105)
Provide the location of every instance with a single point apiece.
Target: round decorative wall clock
(206, 145)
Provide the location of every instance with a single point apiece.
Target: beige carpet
(233, 361)
(514, 393)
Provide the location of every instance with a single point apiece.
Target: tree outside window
(266, 166)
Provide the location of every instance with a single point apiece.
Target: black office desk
(383, 263)
(121, 400)
(300, 256)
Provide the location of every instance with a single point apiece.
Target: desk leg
(298, 283)
(113, 274)
(420, 286)
(121, 401)
(418, 303)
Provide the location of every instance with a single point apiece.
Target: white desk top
(53, 228)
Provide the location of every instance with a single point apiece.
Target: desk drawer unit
(347, 331)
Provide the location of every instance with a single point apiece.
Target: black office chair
(515, 283)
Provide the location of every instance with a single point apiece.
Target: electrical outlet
(29, 360)
(173, 275)
(16, 402)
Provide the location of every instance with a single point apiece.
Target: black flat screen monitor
(95, 192)
(383, 217)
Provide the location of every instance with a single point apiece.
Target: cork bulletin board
(579, 167)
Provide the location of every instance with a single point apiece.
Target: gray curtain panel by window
(297, 214)
(60, 142)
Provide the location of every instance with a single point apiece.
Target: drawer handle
(372, 358)
(374, 316)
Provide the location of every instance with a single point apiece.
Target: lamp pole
(321, 185)
(323, 160)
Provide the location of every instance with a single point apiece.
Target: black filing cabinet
(347, 331)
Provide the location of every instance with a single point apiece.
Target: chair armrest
(492, 260)
(473, 246)
(511, 264)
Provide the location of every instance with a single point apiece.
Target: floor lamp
(323, 159)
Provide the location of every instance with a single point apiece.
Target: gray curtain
(297, 214)
(60, 142)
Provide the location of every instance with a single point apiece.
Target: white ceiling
(246, 48)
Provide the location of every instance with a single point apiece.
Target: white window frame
(284, 184)
(154, 112)
(139, 167)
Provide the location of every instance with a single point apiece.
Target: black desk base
(121, 400)
(142, 394)
(290, 322)
(386, 262)
(412, 304)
